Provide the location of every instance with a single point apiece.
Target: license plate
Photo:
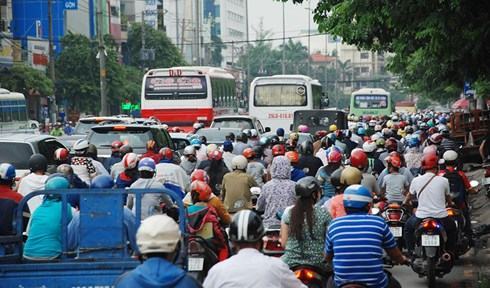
(396, 231)
(195, 264)
(430, 240)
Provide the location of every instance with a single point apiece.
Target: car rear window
(17, 154)
(136, 139)
(233, 123)
(83, 128)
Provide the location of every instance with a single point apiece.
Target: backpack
(205, 223)
(456, 186)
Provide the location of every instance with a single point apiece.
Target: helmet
(37, 162)
(293, 136)
(320, 134)
(358, 158)
(332, 128)
(350, 176)
(378, 128)
(280, 132)
(147, 164)
(369, 146)
(151, 145)
(430, 150)
(264, 141)
(125, 149)
(201, 175)
(80, 145)
(211, 147)
(432, 130)
(278, 149)
(61, 154)
(306, 186)
(196, 125)
(391, 144)
(65, 169)
(164, 127)
(394, 160)
(196, 142)
(130, 160)
(274, 140)
(435, 138)
(357, 196)
(239, 163)
(247, 132)
(228, 146)
(249, 153)
(429, 161)
(201, 188)
(413, 141)
(189, 150)
(444, 132)
(387, 133)
(175, 129)
(335, 177)
(116, 145)
(254, 133)
(102, 182)
(334, 156)
(442, 120)
(303, 128)
(166, 153)
(158, 234)
(380, 143)
(389, 124)
(409, 129)
(7, 172)
(246, 226)
(242, 137)
(215, 155)
(306, 148)
(92, 151)
(57, 182)
(372, 123)
(259, 152)
(361, 131)
(230, 136)
(293, 157)
(450, 156)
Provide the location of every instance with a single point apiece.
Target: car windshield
(233, 123)
(136, 139)
(215, 135)
(17, 154)
(83, 128)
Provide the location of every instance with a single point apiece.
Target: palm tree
(295, 54)
(345, 69)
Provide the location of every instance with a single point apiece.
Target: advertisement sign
(71, 4)
(6, 52)
(38, 56)
(151, 13)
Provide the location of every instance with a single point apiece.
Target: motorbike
(272, 241)
(395, 216)
(463, 242)
(310, 276)
(201, 257)
(431, 259)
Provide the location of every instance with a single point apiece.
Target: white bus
(181, 96)
(274, 99)
(13, 113)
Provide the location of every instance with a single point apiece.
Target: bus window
(317, 96)
(280, 95)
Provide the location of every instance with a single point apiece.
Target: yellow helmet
(332, 128)
(350, 176)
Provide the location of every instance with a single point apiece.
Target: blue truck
(102, 254)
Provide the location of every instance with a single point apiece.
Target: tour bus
(181, 96)
(13, 112)
(370, 101)
(274, 99)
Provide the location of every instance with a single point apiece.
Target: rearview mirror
(267, 129)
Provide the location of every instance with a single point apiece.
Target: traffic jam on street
(161, 144)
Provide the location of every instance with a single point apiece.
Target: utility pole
(309, 37)
(283, 41)
(51, 57)
(102, 60)
(177, 25)
(198, 33)
(248, 46)
(143, 43)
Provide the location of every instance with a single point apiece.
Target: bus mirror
(291, 127)
(267, 129)
(324, 101)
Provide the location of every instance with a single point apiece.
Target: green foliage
(24, 79)
(166, 53)
(437, 45)
(217, 47)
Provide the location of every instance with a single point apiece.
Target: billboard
(38, 55)
(151, 13)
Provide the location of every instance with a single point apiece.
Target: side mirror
(291, 127)
(267, 129)
(325, 101)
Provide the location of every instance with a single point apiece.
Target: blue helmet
(361, 131)
(227, 146)
(357, 196)
(196, 142)
(413, 141)
(147, 164)
(280, 132)
(102, 181)
(7, 172)
(56, 182)
(442, 120)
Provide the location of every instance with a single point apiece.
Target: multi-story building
(7, 45)
(233, 27)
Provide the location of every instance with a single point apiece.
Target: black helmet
(306, 148)
(242, 137)
(247, 227)
(274, 140)
(38, 162)
(264, 141)
(335, 178)
(306, 186)
(230, 137)
(92, 151)
(125, 149)
(259, 152)
(445, 132)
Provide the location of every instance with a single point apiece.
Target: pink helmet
(130, 160)
(303, 128)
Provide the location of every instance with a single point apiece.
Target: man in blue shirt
(356, 241)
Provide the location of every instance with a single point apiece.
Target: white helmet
(158, 234)
(369, 146)
(81, 144)
(450, 155)
(130, 160)
(254, 133)
(197, 125)
(211, 148)
(189, 150)
(239, 163)
(375, 137)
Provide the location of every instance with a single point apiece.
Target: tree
(345, 69)
(437, 45)
(296, 57)
(26, 80)
(216, 49)
(166, 54)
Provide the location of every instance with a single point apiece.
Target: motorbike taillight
(272, 244)
(430, 225)
(195, 248)
(394, 215)
(305, 275)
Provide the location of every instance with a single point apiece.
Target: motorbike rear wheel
(431, 271)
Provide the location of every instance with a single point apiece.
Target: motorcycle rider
(359, 159)
(432, 193)
(413, 154)
(130, 173)
(308, 162)
(296, 172)
(118, 167)
(375, 166)
(216, 169)
(35, 180)
(346, 244)
(115, 155)
(254, 167)
(61, 156)
(304, 225)
(158, 239)
(189, 160)
(241, 144)
(246, 231)
(83, 165)
(323, 174)
(167, 171)
(278, 193)
(341, 179)
(152, 150)
(235, 190)
(227, 154)
(394, 185)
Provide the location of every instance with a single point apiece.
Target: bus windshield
(175, 88)
(13, 110)
(370, 101)
(280, 95)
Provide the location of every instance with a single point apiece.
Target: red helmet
(293, 156)
(115, 145)
(166, 153)
(175, 129)
(150, 144)
(358, 158)
(391, 144)
(278, 150)
(201, 188)
(435, 138)
(334, 156)
(432, 130)
(201, 175)
(249, 153)
(320, 134)
(215, 155)
(429, 161)
(402, 124)
(61, 154)
(394, 160)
